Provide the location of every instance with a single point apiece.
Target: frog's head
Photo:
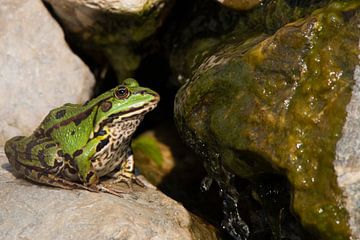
(125, 101)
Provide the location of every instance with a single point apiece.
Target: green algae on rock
(283, 99)
(152, 156)
(208, 25)
(240, 4)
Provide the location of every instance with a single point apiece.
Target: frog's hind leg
(51, 179)
(28, 158)
(12, 153)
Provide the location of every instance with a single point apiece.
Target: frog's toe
(123, 179)
(139, 182)
(110, 190)
(128, 179)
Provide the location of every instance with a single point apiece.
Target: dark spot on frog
(31, 145)
(77, 153)
(102, 132)
(67, 157)
(60, 153)
(39, 133)
(58, 163)
(60, 114)
(72, 170)
(72, 132)
(88, 177)
(41, 157)
(78, 119)
(105, 106)
(102, 144)
(50, 145)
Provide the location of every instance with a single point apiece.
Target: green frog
(75, 145)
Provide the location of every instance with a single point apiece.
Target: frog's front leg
(126, 171)
(86, 171)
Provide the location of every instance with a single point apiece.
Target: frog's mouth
(132, 113)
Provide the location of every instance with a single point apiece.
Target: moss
(148, 146)
(210, 25)
(284, 99)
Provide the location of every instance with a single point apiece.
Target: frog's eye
(121, 93)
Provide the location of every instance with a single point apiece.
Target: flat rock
(31, 211)
(38, 70)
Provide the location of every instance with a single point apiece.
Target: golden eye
(121, 93)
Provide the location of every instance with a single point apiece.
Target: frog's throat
(138, 112)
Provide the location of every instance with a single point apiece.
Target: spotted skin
(107, 159)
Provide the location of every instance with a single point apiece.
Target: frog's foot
(50, 179)
(53, 180)
(126, 177)
(108, 189)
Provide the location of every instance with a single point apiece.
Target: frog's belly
(109, 158)
(114, 153)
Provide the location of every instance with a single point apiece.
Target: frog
(76, 145)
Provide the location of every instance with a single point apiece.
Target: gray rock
(113, 29)
(347, 162)
(31, 211)
(38, 70)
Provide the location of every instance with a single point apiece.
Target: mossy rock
(112, 31)
(206, 24)
(278, 105)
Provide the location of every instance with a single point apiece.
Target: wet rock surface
(206, 25)
(32, 211)
(269, 102)
(32, 81)
(277, 105)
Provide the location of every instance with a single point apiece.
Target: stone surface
(30, 211)
(164, 160)
(38, 70)
(114, 29)
(277, 105)
(347, 163)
